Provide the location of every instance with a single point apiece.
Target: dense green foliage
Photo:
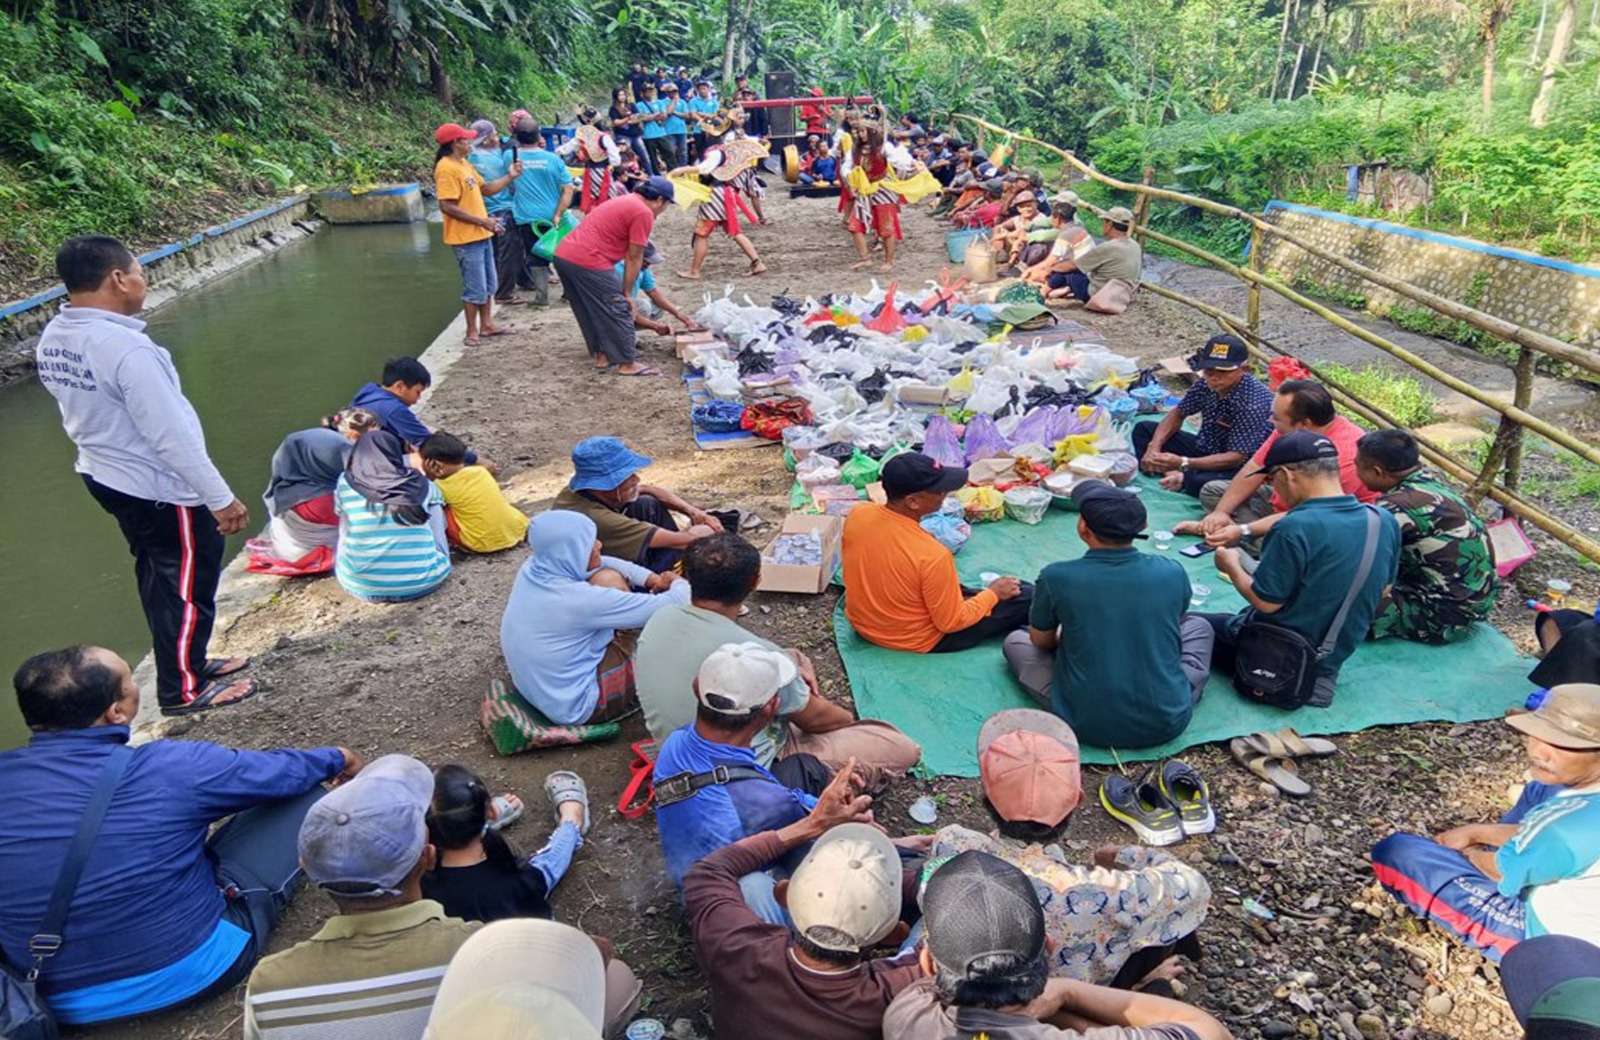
(135, 116)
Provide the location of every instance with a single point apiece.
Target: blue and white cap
(361, 839)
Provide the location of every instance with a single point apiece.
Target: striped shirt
(380, 558)
(369, 976)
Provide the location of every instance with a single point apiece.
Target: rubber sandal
(206, 698)
(566, 786)
(648, 370)
(496, 332)
(508, 809)
(1279, 772)
(470, 341)
(216, 667)
(1287, 743)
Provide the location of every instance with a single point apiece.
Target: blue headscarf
(563, 543)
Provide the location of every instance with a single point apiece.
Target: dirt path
(409, 678)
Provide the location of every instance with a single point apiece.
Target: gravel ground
(1334, 960)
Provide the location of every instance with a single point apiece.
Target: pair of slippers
(1271, 756)
(1161, 806)
(215, 682)
(561, 786)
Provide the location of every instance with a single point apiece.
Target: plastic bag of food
(982, 504)
(961, 383)
(861, 470)
(951, 531)
(1027, 504)
(1124, 465)
(1070, 447)
(983, 441)
(941, 444)
(1035, 426)
(817, 469)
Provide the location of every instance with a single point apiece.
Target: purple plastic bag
(1035, 426)
(1068, 424)
(941, 444)
(984, 439)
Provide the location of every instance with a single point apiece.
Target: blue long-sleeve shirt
(397, 416)
(148, 896)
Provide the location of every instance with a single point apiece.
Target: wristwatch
(1183, 462)
(1244, 531)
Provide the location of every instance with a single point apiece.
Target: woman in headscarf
(571, 624)
(302, 527)
(392, 543)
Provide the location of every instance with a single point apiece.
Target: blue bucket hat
(602, 463)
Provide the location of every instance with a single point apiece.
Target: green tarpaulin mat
(941, 700)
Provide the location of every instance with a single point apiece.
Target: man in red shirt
(1243, 510)
(616, 231)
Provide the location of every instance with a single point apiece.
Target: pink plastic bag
(941, 444)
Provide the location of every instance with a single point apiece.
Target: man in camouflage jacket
(1447, 579)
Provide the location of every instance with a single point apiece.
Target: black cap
(1221, 351)
(977, 905)
(1110, 512)
(910, 472)
(1299, 446)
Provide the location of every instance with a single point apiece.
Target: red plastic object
(1282, 369)
(888, 321)
(945, 293)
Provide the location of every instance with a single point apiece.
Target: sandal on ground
(648, 370)
(566, 786)
(210, 696)
(1287, 743)
(1279, 772)
(218, 667)
(508, 809)
(470, 341)
(496, 332)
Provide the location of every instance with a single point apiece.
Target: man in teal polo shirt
(1309, 559)
(1109, 647)
(702, 107)
(538, 199)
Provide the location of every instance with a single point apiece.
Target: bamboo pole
(1497, 327)
(1521, 397)
(1461, 386)
(1253, 302)
(1555, 528)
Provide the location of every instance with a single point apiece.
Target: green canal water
(262, 352)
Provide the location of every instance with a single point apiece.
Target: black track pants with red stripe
(177, 554)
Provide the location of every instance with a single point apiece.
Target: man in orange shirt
(468, 227)
(901, 587)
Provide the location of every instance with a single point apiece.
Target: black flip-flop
(215, 667)
(206, 699)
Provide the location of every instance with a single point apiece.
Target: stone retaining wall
(1555, 297)
(175, 268)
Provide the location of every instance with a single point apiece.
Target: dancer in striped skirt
(729, 170)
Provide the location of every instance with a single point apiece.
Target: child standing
(477, 516)
(479, 877)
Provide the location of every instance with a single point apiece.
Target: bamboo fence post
(1522, 396)
(1141, 206)
(1253, 302)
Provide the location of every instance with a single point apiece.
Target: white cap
(740, 677)
(845, 895)
(517, 971)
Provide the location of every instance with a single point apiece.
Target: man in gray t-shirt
(723, 570)
(1117, 258)
(985, 954)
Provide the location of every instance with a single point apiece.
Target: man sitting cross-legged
(985, 955)
(635, 519)
(846, 899)
(723, 571)
(901, 587)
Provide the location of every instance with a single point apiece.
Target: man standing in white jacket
(142, 455)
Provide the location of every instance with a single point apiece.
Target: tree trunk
(1283, 40)
(1538, 36)
(440, 79)
(1560, 40)
(1294, 74)
(730, 39)
(1490, 50)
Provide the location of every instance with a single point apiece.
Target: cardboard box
(783, 577)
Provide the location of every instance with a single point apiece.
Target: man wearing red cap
(468, 228)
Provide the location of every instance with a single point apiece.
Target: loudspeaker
(780, 121)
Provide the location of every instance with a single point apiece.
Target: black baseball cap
(1299, 446)
(1221, 351)
(911, 471)
(976, 905)
(1109, 511)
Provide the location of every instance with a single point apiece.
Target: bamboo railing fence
(1499, 475)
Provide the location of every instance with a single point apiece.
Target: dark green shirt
(1307, 563)
(1117, 675)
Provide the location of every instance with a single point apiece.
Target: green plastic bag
(799, 497)
(897, 448)
(545, 245)
(860, 470)
(788, 460)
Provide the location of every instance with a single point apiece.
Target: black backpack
(1278, 666)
